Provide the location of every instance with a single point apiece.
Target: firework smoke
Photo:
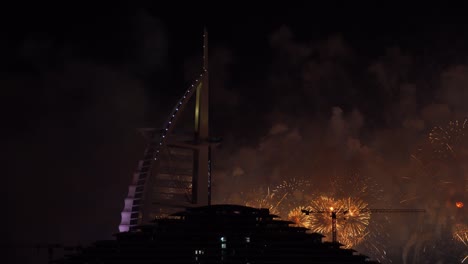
(439, 162)
(325, 149)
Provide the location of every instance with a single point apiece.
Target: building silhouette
(217, 234)
(168, 216)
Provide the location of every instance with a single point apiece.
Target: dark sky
(370, 79)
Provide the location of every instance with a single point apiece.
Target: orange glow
(459, 204)
(331, 209)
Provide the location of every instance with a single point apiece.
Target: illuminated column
(200, 173)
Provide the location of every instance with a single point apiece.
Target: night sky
(298, 90)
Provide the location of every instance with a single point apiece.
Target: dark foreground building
(217, 234)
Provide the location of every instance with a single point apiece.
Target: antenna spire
(205, 49)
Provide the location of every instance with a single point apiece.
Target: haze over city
(320, 101)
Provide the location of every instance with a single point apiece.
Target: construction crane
(333, 214)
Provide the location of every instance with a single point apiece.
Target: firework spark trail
(446, 141)
(460, 233)
(376, 239)
(291, 193)
(258, 199)
(357, 218)
(410, 199)
(357, 186)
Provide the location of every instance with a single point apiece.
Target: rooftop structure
(217, 234)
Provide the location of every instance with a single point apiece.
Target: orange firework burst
(357, 217)
(321, 222)
(353, 217)
(298, 217)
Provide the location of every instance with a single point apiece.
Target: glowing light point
(459, 204)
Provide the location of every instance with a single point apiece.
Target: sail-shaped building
(174, 172)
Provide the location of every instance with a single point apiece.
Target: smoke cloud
(329, 114)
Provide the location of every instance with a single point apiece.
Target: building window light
(223, 242)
